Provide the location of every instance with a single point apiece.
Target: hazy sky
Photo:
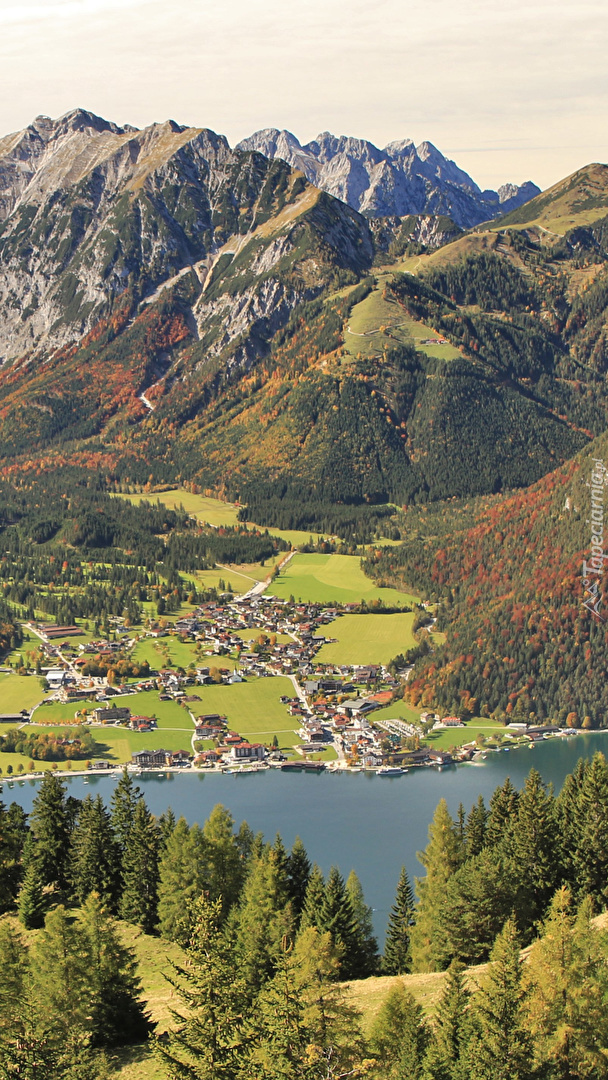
(512, 91)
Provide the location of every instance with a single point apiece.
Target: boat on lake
(390, 770)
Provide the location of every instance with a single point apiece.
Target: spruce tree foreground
(265, 944)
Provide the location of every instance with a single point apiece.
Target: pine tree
(182, 878)
(244, 842)
(32, 898)
(125, 798)
(13, 834)
(532, 845)
(94, 856)
(569, 823)
(368, 944)
(590, 848)
(280, 858)
(441, 858)
(166, 824)
(503, 1048)
(298, 871)
(280, 1038)
(49, 825)
(260, 922)
(503, 811)
(115, 1013)
(337, 918)
(475, 829)
(209, 1042)
(59, 977)
(478, 899)
(225, 867)
(567, 980)
(399, 1036)
(139, 900)
(313, 900)
(397, 958)
(448, 1051)
(14, 982)
(336, 1046)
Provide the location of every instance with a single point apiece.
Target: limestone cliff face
(89, 209)
(399, 180)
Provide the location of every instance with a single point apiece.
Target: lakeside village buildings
(331, 704)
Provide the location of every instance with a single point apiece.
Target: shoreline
(116, 771)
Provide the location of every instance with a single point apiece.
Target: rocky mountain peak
(399, 180)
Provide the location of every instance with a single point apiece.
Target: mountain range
(398, 180)
(177, 309)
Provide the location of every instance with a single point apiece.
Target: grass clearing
(332, 578)
(378, 321)
(156, 650)
(253, 708)
(120, 743)
(210, 511)
(368, 639)
(443, 740)
(19, 692)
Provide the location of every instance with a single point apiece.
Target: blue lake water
(358, 821)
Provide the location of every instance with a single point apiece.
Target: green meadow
(326, 579)
(253, 708)
(19, 692)
(367, 639)
(378, 321)
(215, 512)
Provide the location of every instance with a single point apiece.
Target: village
(338, 713)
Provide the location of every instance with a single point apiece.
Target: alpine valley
(412, 362)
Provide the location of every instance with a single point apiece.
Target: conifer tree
(260, 922)
(337, 918)
(125, 798)
(397, 959)
(244, 842)
(475, 829)
(298, 872)
(503, 811)
(50, 829)
(448, 1051)
(336, 1046)
(441, 858)
(569, 820)
(182, 878)
(225, 867)
(209, 1042)
(13, 834)
(368, 944)
(590, 847)
(280, 858)
(399, 1036)
(116, 1014)
(478, 899)
(32, 898)
(166, 824)
(139, 900)
(533, 848)
(59, 977)
(314, 898)
(94, 856)
(567, 979)
(502, 1049)
(14, 982)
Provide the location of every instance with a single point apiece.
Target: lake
(358, 821)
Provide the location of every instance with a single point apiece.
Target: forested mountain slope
(525, 627)
(174, 310)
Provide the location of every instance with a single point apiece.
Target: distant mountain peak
(401, 179)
